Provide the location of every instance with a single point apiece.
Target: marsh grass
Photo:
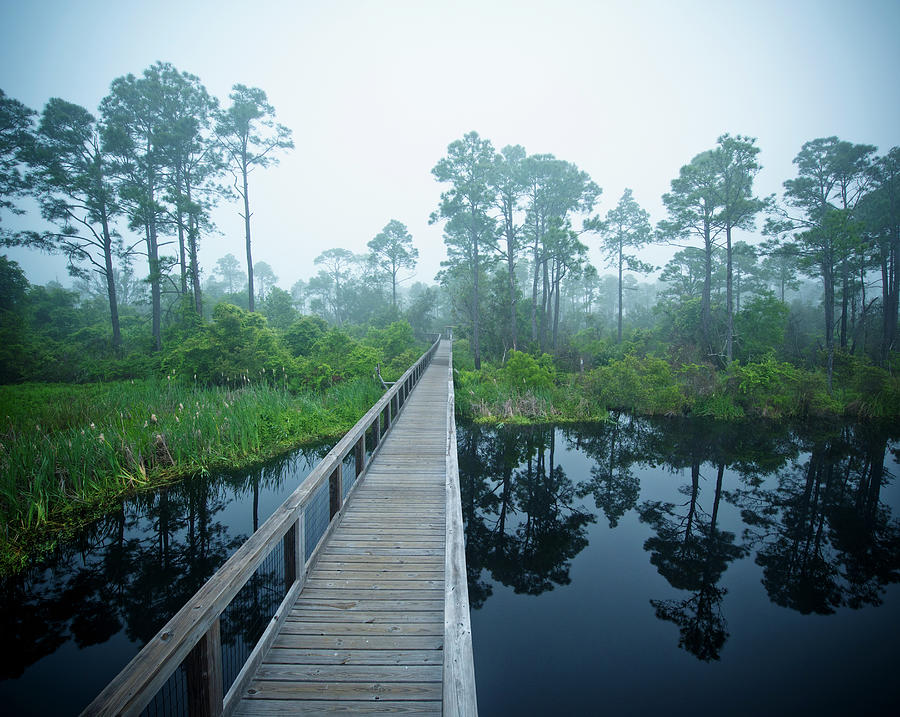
(66, 450)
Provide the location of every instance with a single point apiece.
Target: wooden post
(361, 454)
(204, 675)
(334, 491)
(290, 557)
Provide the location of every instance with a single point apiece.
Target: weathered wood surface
(367, 632)
(194, 631)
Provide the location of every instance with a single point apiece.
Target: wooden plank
(375, 691)
(386, 616)
(365, 572)
(409, 552)
(355, 657)
(405, 594)
(300, 627)
(260, 708)
(360, 642)
(348, 604)
(350, 673)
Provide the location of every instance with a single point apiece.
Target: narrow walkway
(366, 634)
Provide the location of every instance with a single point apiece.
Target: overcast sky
(375, 91)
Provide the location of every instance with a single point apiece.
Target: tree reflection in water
(821, 534)
(811, 514)
(518, 505)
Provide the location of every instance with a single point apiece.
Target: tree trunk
(476, 314)
(556, 313)
(247, 234)
(828, 280)
(845, 297)
(545, 303)
(182, 252)
(729, 334)
(705, 311)
(890, 295)
(620, 290)
(111, 282)
(194, 230)
(511, 271)
(534, 288)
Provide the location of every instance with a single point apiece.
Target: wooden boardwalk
(366, 633)
(371, 614)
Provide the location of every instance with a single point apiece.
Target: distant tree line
(516, 228)
(820, 285)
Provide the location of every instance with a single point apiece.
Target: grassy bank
(67, 452)
(528, 390)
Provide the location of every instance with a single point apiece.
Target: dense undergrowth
(531, 390)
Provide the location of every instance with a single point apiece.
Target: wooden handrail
(459, 698)
(194, 630)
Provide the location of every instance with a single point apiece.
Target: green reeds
(67, 448)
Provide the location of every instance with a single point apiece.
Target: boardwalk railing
(181, 670)
(459, 666)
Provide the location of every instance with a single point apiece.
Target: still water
(673, 567)
(72, 623)
(634, 567)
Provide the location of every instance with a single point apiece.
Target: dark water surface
(638, 567)
(681, 567)
(69, 625)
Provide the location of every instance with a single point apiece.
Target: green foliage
(463, 360)
(278, 309)
(523, 371)
(65, 448)
(393, 340)
(641, 385)
(760, 327)
(236, 348)
(302, 335)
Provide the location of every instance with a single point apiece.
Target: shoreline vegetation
(69, 453)
(528, 390)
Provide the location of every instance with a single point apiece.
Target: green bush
(522, 371)
(645, 385)
(236, 349)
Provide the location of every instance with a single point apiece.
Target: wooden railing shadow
(181, 670)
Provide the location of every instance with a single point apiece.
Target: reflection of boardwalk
(367, 631)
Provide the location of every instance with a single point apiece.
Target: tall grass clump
(68, 448)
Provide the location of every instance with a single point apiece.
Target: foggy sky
(375, 91)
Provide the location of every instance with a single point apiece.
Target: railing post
(291, 567)
(361, 454)
(301, 544)
(334, 491)
(204, 675)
